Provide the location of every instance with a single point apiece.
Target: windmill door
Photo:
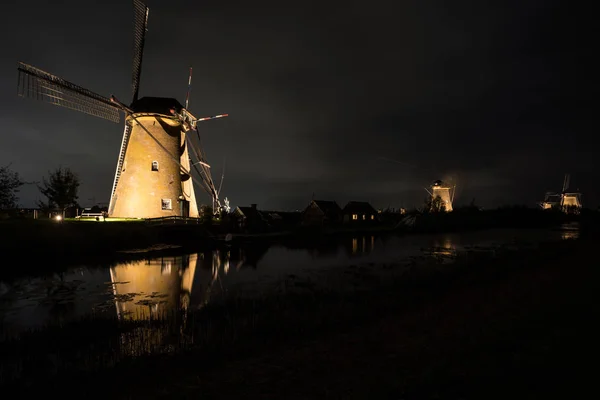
(185, 208)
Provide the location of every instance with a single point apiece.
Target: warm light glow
(145, 289)
(444, 193)
(567, 235)
(354, 216)
(571, 200)
(150, 173)
(58, 217)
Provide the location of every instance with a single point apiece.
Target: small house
(282, 220)
(360, 212)
(322, 212)
(250, 219)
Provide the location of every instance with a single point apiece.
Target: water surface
(143, 289)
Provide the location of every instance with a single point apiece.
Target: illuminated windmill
(570, 201)
(445, 192)
(153, 176)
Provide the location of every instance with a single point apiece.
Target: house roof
(329, 208)
(359, 207)
(249, 211)
(284, 216)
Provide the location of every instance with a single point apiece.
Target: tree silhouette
(206, 214)
(434, 205)
(9, 187)
(438, 205)
(60, 189)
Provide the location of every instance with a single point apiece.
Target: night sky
(369, 100)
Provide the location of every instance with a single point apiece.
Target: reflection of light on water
(444, 247)
(569, 230)
(567, 235)
(226, 262)
(150, 289)
(363, 245)
(162, 289)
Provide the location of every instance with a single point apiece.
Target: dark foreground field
(517, 325)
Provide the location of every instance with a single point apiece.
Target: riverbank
(47, 246)
(489, 326)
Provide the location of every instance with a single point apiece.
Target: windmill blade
(140, 26)
(213, 117)
(222, 177)
(566, 182)
(38, 84)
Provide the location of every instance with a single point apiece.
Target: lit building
(442, 190)
(569, 202)
(149, 181)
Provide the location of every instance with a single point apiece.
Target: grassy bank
(473, 219)
(46, 246)
(426, 330)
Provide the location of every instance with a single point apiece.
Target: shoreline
(42, 247)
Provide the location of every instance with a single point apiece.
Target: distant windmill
(153, 177)
(445, 192)
(569, 201)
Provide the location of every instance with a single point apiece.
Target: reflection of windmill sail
(148, 289)
(217, 265)
(187, 280)
(212, 267)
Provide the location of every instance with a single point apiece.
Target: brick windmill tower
(445, 192)
(153, 177)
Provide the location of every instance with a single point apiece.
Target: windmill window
(355, 216)
(165, 204)
(154, 165)
(372, 217)
(364, 217)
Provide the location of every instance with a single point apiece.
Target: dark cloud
(495, 95)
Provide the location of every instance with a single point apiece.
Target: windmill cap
(156, 105)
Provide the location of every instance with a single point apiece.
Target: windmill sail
(124, 142)
(140, 27)
(41, 85)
